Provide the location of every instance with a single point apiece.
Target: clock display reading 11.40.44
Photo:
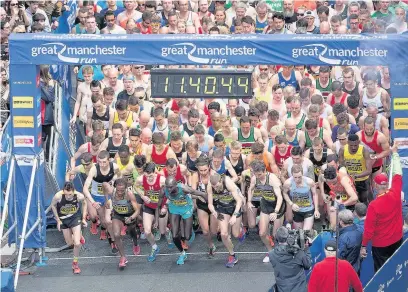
(201, 83)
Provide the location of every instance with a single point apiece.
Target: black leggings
(175, 229)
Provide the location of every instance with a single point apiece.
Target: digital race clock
(201, 83)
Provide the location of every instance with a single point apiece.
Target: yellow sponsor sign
(23, 122)
(401, 123)
(23, 102)
(400, 104)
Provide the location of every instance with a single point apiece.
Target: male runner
(300, 194)
(125, 211)
(358, 163)
(341, 184)
(180, 201)
(265, 191)
(158, 152)
(225, 203)
(67, 212)
(102, 173)
(247, 135)
(148, 187)
(199, 181)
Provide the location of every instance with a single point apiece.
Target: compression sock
(177, 243)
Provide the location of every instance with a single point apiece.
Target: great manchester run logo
(207, 55)
(77, 55)
(337, 56)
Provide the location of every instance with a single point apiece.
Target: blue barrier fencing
(393, 276)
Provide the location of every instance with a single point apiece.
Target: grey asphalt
(99, 271)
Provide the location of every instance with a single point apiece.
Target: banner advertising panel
(26, 147)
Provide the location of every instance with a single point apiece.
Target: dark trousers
(382, 254)
(46, 137)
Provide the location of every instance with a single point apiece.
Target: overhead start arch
(27, 51)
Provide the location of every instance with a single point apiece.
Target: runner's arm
(210, 198)
(231, 171)
(194, 193)
(87, 184)
(57, 198)
(351, 192)
(369, 165)
(286, 187)
(135, 205)
(230, 185)
(81, 198)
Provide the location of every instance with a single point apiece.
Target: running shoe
(136, 249)
(103, 235)
(122, 262)
(75, 268)
(181, 259)
(153, 254)
(190, 241)
(184, 245)
(266, 259)
(232, 260)
(142, 235)
(114, 248)
(242, 235)
(82, 240)
(123, 230)
(94, 228)
(211, 251)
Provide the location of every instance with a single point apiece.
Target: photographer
(289, 264)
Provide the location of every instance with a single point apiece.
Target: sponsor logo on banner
(23, 141)
(22, 82)
(401, 124)
(336, 56)
(402, 143)
(23, 122)
(77, 54)
(400, 104)
(23, 102)
(201, 55)
(24, 160)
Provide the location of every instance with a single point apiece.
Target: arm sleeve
(48, 93)
(342, 248)
(369, 225)
(307, 259)
(396, 164)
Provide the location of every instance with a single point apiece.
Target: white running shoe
(266, 259)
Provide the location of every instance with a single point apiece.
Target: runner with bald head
(294, 136)
(144, 119)
(146, 136)
(180, 203)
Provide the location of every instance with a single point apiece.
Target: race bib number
(121, 209)
(100, 190)
(154, 198)
(179, 202)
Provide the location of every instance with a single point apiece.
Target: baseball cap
(309, 13)
(330, 245)
(381, 179)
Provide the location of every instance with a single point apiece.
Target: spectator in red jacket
(383, 224)
(323, 274)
